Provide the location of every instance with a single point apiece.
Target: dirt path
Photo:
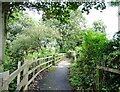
(56, 78)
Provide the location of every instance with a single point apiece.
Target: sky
(109, 17)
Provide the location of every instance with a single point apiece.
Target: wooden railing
(109, 69)
(99, 69)
(27, 72)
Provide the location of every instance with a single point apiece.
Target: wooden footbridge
(28, 71)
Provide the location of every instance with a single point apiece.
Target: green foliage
(58, 9)
(99, 26)
(112, 52)
(93, 45)
(75, 76)
(90, 54)
(18, 24)
(1, 68)
(41, 53)
(34, 38)
(112, 60)
(55, 10)
(94, 49)
(70, 33)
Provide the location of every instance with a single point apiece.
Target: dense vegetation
(28, 38)
(96, 49)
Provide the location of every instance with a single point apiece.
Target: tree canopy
(53, 9)
(99, 26)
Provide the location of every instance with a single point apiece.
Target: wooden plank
(33, 66)
(40, 59)
(50, 57)
(37, 74)
(44, 58)
(25, 72)
(22, 83)
(5, 77)
(18, 77)
(109, 69)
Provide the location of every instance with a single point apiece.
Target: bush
(90, 54)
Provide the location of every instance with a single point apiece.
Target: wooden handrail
(44, 58)
(98, 79)
(109, 69)
(25, 68)
(38, 66)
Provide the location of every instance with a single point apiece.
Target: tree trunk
(2, 36)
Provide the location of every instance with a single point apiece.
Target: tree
(99, 26)
(34, 37)
(19, 23)
(70, 32)
(51, 9)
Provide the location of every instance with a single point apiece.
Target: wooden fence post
(101, 74)
(33, 65)
(63, 56)
(18, 77)
(56, 59)
(5, 77)
(97, 79)
(1, 81)
(38, 64)
(53, 63)
(25, 74)
(47, 60)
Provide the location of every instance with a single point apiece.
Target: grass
(52, 69)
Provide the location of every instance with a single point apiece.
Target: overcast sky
(109, 17)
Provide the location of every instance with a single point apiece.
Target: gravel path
(56, 78)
